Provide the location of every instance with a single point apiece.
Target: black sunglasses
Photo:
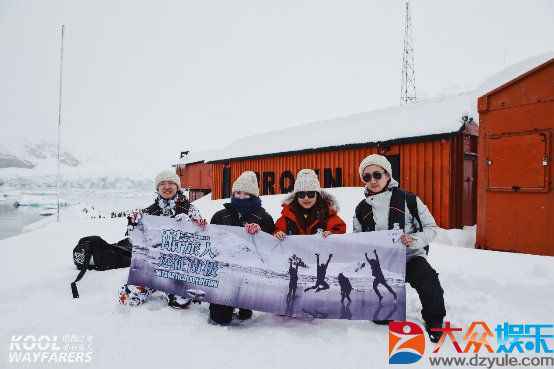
(376, 175)
(302, 194)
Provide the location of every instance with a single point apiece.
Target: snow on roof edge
(465, 103)
(514, 71)
(338, 147)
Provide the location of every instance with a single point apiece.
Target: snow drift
(36, 269)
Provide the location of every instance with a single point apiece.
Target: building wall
(429, 168)
(515, 196)
(197, 176)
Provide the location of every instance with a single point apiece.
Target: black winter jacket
(230, 216)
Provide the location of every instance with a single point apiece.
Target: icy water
(35, 203)
(13, 220)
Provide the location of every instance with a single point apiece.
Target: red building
(432, 147)
(515, 197)
(196, 177)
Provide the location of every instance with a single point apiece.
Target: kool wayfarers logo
(406, 342)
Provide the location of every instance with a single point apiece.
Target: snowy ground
(36, 269)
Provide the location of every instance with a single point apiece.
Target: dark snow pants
(421, 276)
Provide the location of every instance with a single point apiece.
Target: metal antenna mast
(58, 175)
(407, 87)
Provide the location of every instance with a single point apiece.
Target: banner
(350, 276)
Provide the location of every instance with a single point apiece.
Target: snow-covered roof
(432, 117)
(514, 71)
(437, 116)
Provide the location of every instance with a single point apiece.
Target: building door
(469, 203)
(518, 188)
(226, 185)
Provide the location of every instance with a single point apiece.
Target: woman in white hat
(386, 206)
(244, 210)
(170, 202)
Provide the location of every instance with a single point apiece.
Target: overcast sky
(144, 80)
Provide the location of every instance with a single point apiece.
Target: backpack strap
(397, 208)
(411, 202)
(364, 215)
(83, 270)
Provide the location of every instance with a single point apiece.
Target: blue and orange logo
(406, 342)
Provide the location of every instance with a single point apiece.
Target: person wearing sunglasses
(244, 210)
(386, 206)
(309, 209)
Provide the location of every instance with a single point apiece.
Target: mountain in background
(28, 155)
(33, 165)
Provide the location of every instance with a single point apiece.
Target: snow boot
(244, 314)
(134, 295)
(434, 336)
(177, 302)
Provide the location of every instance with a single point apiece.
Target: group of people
(94, 214)
(310, 210)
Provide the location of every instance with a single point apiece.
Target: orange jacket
(334, 223)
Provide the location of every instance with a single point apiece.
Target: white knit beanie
(167, 175)
(247, 182)
(375, 159)
(306, 180)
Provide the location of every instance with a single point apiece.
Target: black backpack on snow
(94, 253)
